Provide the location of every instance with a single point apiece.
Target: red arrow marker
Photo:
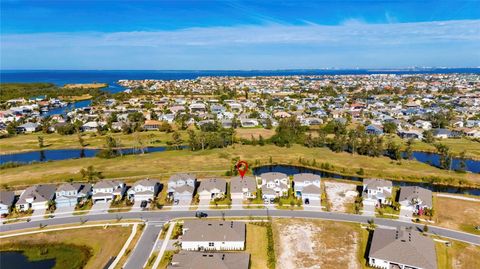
(242, 168)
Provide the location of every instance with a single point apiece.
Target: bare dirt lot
(316, 244)
(340, 195)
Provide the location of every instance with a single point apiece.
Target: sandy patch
(340, 194)
(315, 244)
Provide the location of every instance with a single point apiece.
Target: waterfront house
(243, 188)
(212, 260)
(374, 129)
(36, 197)
(212, 188)
(401, 248)
(29, 127)
(181, 186)
(213, 235)
(415, 198)
(273, 185)
(107, 190)
(69, 194)
(152, 125)
(144, 190)
(307, 186)
(376, 191)
(7, 198)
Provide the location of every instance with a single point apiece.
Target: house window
(211, 244)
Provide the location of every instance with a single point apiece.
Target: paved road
(169, 215)
(144, 247)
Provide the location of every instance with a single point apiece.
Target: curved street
(162, 216)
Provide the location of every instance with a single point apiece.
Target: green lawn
(257, 243)
(217, 161)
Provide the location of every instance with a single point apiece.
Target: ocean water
(61, 77)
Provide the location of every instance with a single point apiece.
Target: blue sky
(116, 34)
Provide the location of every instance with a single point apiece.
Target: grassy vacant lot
(327, 244)
(217, 161)
(102, 243)
(458, 256)
(458, 214)
(257, 246)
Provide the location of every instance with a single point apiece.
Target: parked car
(143, 204)
(307, 201)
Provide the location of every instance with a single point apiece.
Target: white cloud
(347, 34)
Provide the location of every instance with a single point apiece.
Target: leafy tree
(90, 174)
(445, 155)
(40, 141)
(428, 137)
(390, 127)
(177, 140)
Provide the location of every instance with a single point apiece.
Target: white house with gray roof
(106, 190)
(376, 191)
(243, 188)
(36, 197)
(69, 194)
(181, 186)
(212, 188)
(415, 198)
(307, 186)
(273, 185)
(401, 249)
(216, 235)
(202, 260)
(6, 201)
(144, 190)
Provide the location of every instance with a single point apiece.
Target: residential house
(415, 198)
(107, 190)
(374, 129)
(144, 190)
(212, 188)
(181, 186)
(307, 186)
(243, 188)
(273, 185)
(441, 133)
(216, 235)
(152, 125)
(91, 126)
(425, 125)
(36, 197)
(213, 260)
(401, 248)
(376, 191)
(6, 201)
(29, 127)
(69, 194)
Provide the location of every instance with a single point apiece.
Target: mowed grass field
(103, 243)
(216, 162)
(257, 246)
(457, 214)
(457, 256)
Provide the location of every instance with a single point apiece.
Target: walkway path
(124, 248)
(164, 245)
